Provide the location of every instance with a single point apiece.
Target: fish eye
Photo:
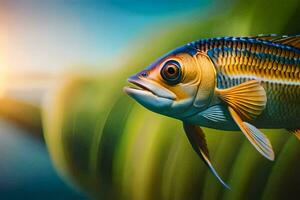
(171, 72)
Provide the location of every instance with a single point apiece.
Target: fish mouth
(150, 94)
(144, 87)
(137, 86)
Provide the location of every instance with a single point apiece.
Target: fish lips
(150, 94)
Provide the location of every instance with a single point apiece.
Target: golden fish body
(229, 83)
(276, 66)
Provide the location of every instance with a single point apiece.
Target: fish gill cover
(104, 144)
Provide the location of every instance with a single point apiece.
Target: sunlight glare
(3, 75)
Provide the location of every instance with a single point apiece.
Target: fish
(227, 83)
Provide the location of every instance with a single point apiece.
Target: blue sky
(51, 34)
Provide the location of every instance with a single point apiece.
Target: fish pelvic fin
(254, 135)
(197, 139)
(247, 99)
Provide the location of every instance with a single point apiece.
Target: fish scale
(238, 60)
(258, 86)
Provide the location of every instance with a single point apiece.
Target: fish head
(169, 86)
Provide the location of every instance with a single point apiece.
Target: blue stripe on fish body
(228, 41)
(250, 58)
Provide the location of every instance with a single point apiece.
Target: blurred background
(67, 131)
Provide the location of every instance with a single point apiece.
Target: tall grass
(106, 145)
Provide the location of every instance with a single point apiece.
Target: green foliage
(110, 147)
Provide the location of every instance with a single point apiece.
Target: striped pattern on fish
(229, 83)
(277, 66)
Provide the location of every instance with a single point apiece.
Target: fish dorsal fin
(293, 41)
(296, 132)
(255, 136)
(247, 99)
(197, 139)
(267, 37)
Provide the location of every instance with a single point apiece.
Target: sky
(48, 35)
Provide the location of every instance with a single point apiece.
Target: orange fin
(268, 37)
(255, 136)
(247, 99)
(293, 41)
(296, 133)
(290, 40)
(197, 139)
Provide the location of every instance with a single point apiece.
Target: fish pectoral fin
(247, 99)
(197, 139)
(215, 114)
(255, 136)
(245, 102)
